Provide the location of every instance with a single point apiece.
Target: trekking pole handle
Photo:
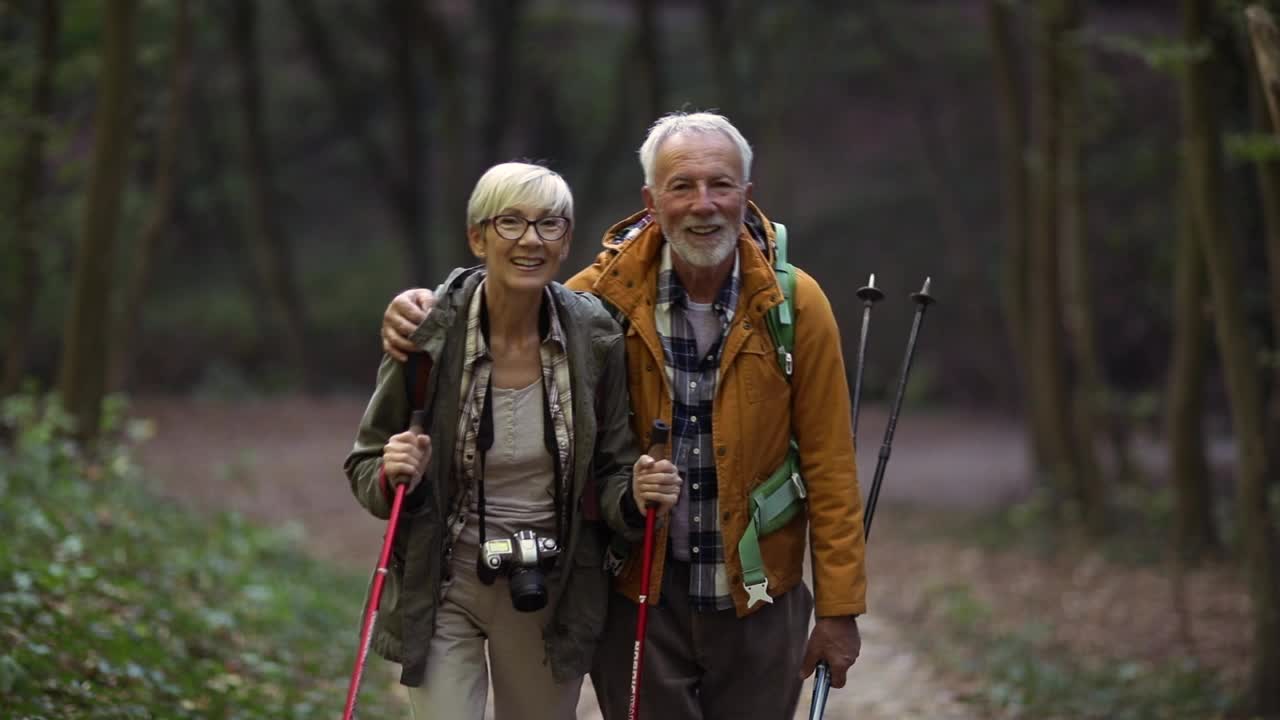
(417, 426)
(417, 422)
(869, 295)
(659, 436)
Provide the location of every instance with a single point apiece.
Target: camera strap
(549, 440)
(484, 441)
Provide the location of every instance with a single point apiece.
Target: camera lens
(528, 590)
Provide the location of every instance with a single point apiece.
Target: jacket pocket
(760, 375)
(579, 620)
(387, 632)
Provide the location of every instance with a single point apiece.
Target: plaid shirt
(692, 379)
(477, 366)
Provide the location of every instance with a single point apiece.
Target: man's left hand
(836, 640)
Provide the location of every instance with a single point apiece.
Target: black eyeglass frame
(524, 227)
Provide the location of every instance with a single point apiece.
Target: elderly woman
(501, 546)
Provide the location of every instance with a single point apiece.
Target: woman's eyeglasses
(513, 227)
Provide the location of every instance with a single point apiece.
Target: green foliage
(1161, 54)
(1141, 521)
(1257, 147)
(1023, 677)
(116, 604)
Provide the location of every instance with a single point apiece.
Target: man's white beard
(703, 251)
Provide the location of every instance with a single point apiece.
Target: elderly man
(691, 277)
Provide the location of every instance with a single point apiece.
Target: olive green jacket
(604, 452)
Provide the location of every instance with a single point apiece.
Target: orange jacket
(751, 425)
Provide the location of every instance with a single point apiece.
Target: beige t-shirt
(519, 474)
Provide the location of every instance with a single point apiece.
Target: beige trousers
(474, 617)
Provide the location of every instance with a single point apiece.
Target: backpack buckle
(799, 483)
(786, 360)
(757, 592)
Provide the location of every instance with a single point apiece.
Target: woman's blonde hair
(516, 183)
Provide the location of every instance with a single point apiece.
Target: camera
(524, 558)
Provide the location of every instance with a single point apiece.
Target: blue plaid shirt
(692, 378)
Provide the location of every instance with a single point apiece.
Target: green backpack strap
(780, 320)
(777, 500)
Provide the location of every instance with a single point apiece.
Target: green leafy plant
(1023, 676)
(115, 603)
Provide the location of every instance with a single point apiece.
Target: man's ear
(647, 195)
(748, 191)
(475, 239)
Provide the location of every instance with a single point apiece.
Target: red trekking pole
(658, 436)
(379, 577)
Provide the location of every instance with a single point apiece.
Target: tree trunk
(162, 211)
(268, 245)
(1048, 386)
(1265, 82)
(1238, 363)
(86, 342)
(721, 34)
(604, 158)
(1193, 525)
(211, 161)
(547, 134)
(1090, 395)
(503, 18)
(401, 188)
(1011, 116)
(649, 55)
(409, 197)
(347, 102)
(30, 182)
(349, 105)
(454, 176)
(903, 71)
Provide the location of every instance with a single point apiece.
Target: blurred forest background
(216, 200)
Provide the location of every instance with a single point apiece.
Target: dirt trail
(280, 460)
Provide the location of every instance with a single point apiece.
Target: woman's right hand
(655, 483)
(405, 313)
(405, 457)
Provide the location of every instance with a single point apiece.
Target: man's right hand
(405, 313)
(405, 457)
(655, 483)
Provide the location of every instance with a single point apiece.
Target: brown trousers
(704, 665)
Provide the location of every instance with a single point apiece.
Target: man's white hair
(516, 183)
(677, 123)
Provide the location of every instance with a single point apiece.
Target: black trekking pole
(922, 299)
(869, 295)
